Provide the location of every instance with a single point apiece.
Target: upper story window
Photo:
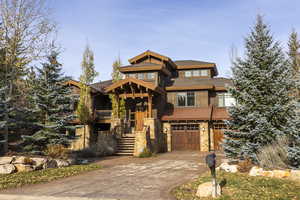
(196, 73)
(225, 100)
(185, 99)
(131, 75)
(140, 76)
(150, 75)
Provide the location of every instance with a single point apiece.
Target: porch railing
(103, 114)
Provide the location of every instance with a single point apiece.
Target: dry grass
(243, 187)
(57, 151)
(274, 156)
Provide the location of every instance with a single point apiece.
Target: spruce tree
(84, 112)
(262, 82)
(54, 102)
(118, 108)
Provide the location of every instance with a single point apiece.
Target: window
(131, 75)
(225, 100)
(140, 76)
(196, 72)
(188, 73)
(186, 99)
(150, 75)
(204, 72)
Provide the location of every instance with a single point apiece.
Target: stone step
(125, 150)
(124, 154)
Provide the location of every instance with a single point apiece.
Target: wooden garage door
(185, 137)
(218, 130)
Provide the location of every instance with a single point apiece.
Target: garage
(185, 137)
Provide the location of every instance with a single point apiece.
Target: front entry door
(139, 118)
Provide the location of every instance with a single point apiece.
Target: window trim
(185, 95)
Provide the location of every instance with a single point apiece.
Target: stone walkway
(124, 178)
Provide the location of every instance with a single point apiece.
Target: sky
(203, 30)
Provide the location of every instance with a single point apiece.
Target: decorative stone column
(167, 131)
(212, 147)
(204, 141)
(83, 140)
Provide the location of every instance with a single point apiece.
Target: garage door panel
(185, 140)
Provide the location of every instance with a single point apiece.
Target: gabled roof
(145, 67)
(146, 54)
(142, 83)
(195, 64)
(198, 84)
(100, 86)
(77, 84)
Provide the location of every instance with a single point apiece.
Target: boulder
(61, 163)
(206, 189)
(22, 160)
(267, 173)
(72, 161)
(255, 171)
(24, 168)
(228, 168)
(39, 162)
(6, 160)
(50, 164)
(281, 173)
(295, 175)
(7, 169)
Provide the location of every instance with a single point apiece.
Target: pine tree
(54, 101)
(262, 82)
(118, 108)
(84, 112)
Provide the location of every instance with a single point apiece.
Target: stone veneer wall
(142, 142)
(204, 136)
(167, 132)
(82, 140)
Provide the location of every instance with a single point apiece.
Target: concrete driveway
(123, 178)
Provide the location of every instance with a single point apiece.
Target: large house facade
(169, 105)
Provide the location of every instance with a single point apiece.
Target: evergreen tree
(53, 99)
(118, 108)
(84, 108)
(262, 82)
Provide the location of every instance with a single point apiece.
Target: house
(170, 105)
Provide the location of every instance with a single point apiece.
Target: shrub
(57, 151)
(146, 153)
(275, 155)
(245, 166)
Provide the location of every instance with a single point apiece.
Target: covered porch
(139, 97)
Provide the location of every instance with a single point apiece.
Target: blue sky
(180, 29)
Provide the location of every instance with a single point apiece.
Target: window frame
(142, 75)
(186, 100)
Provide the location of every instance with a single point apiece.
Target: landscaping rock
(205, 190)
(295, 175)
(7, 169)
(21, 160)
(39, 163)
(229, 168)
(255, 171)
(281, 173)
(72, 161)
(24, 168)
(50, 164)
(62, 163)
(267, 173)
(5, 160)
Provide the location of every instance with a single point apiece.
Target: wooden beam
(135, 95)
(150, 105)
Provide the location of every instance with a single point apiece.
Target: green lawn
(241, 187)
(42, 176)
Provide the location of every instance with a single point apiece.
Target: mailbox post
(211, 163)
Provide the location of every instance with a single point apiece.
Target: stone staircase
(125, 146)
